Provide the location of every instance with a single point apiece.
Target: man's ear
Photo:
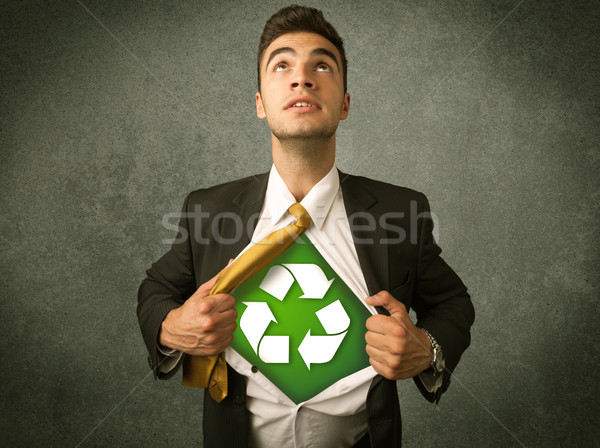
(260, 110)
(345, 106)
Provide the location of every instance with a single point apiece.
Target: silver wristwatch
(437, 364)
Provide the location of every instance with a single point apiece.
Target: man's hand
(397, 349)
(203, 325)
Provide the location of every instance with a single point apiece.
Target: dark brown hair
(300, 18)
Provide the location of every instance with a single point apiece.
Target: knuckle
(384, 371)
(397, 347)
(220, 300)
(226, 300)
(204, 307)
(210, 339)
(399, 331)
(208, 324)
(394, 363)
(372, 322)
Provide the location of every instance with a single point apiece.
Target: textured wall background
(113, 111)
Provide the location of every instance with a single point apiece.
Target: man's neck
(303, 164)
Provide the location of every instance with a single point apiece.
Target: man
(376, 236)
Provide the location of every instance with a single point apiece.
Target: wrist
(437, 362)
(165, 339)
(427, 345)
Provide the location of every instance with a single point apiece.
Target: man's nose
(303, 78)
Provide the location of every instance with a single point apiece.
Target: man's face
(302, 87)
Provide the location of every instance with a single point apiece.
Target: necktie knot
(301, 215)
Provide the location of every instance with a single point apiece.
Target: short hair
(296, 18)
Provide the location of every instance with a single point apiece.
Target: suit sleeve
(168, 284)
(441, 302)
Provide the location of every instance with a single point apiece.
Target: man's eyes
(320, 67)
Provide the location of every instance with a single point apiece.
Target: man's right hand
(203, 325)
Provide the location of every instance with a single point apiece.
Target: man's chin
(306, 134)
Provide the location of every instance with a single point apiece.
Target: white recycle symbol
(314, 285)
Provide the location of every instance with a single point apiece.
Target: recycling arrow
(334, 318)
(319, 349)
(255, 320)
(311, 279)
(275, 349)
(277, 282)
(254, 323)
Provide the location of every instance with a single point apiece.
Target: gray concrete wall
(112, 112)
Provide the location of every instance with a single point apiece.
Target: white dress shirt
(337, 416)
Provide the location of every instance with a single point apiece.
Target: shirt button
(239, 399)
(254, 369)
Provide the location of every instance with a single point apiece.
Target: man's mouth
(303, 104)
(303, 101)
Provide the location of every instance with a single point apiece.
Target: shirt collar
(317, 202)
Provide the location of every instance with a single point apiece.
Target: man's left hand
(396, 347)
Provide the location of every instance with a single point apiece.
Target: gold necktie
(211, 371)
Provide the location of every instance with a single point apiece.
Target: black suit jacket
(392, 231)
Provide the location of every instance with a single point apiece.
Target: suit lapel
(361, 208)
(247, 205)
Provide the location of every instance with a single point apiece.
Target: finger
(225, 319)
(390, 373)
(224, 343)
(383, 369)
(375, 353)
(214, 323)
(228, 330)
(386, 325)
(379, 368)
(219, 335)
(222, 311)
(214, 304)
(386, 343)
(218, 341)
(386, 300)
(392, 367)
(211, 349)
(375, 340)
(222, 302)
